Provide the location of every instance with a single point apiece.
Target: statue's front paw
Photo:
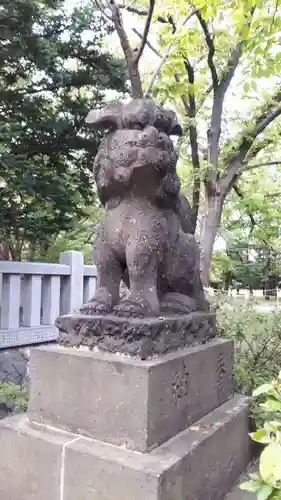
(96, 307)
(128, 308)
(134, 308)
(101, 303)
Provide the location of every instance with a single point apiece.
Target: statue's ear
(176, 129)
(108, 117)
(167, 121)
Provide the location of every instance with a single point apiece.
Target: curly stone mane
(138, 139)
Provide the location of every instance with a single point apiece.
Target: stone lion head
(137, 154)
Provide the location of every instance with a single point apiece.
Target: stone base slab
(30, 460)
(128, 402)
(143, 337)
(201, 463)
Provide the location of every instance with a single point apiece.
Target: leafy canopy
(250, 227)
(52, 71)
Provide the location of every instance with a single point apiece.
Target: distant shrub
(257, 338)
(13, 397)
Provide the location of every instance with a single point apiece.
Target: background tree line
(215, 62)
(53, 69)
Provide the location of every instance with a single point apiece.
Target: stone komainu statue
(145, 236)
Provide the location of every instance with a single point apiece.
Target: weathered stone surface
(13, 366)
(30, 460)
(136, 336)
(237, 493)
(201, 463)
(5, 409)
(13, 370)
(126, 401)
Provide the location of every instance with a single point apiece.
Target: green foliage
(250, 228)
(266, 484)
(14, 396)
(257, 338)
(52, 71)
(230, 25)
(218, 66)
(249, 29)
(79, 238)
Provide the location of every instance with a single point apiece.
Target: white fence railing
(33, 294)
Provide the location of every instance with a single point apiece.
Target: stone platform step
(202, 462)
(238, 494)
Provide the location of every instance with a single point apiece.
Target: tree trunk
(135, 79)
(209, 228)
(4, 251)
(31, 252)
(11, 250)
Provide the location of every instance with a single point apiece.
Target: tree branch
(145, 31)
(249, 213)
(211, 47)
(274, 16)
(26, 91)
(257, 148)
(132, 64)
(193, 137)
(264, 122)
(204, 97)
(142, 13)
(190, 110)
(156, 52)
(234, 59)
(261, 164)
(167, 53)
(214, 131)
(183, 98)
(176, 75)
(236, 162)
(103, 10)
(217, 109)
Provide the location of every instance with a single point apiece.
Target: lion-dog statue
(145, 237)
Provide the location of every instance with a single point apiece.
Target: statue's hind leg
(177, 303)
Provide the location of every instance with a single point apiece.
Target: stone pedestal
(103, 427)
(129, 402)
